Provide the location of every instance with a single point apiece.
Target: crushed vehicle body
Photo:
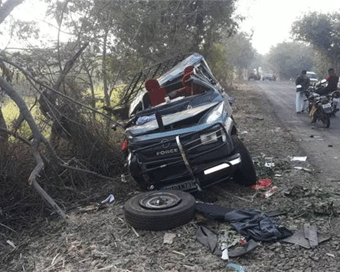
(181, 133)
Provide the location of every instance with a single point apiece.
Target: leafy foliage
(231, 56)
(322, 32)
(151, 30)
(290, 58)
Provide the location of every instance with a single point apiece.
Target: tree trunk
(106, 88)
(3, 135)
(7, 7)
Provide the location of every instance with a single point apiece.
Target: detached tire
(159, 210)
(245, 176)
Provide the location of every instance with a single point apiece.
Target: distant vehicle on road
(254, 77)
(270, 77)
(313, 77)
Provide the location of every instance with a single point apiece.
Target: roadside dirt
(100, 240)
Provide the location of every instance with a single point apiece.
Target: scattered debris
(302, 168)
(242, 250)
(263, 184)
(225, 254)
(135, 232)
(330, 255)
(123, 178)
(325, 208)
(270, 192)
(169, 238)
(179, 253)
(11, 244)
(302, 159)
(296, 191)
(267, 185)
(209, 239)
(236, 266)
(88, 208)
(269, 164)
(307, 237)
(311, 235)
(253, 224)
(228, 236)
(109, 200)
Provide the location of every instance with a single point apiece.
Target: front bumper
(190, 161)
(223, 166)
(208, 175)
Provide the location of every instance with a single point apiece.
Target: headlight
(215, 114)
(224, 136)
(209, 138)
(212, 137)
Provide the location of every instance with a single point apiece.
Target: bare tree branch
(32, 79)
(37, 138)
(14, 134)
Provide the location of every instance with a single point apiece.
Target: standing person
(332, 83)
(304, 81)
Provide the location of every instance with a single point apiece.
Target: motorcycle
(334, 99)
(319, 108)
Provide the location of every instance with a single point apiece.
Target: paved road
(322, 145)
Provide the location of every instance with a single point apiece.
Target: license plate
(182, 186)
(327, 106)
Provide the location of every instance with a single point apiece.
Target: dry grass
(88, 148)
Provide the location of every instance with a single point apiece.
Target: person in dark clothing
(304, 81)
(332, 83)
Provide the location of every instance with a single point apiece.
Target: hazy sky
(271, 20)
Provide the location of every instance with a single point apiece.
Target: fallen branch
(33, 80)
(16, 135)
(37, 138)
(45, 196)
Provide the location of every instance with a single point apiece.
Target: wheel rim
(160, 200)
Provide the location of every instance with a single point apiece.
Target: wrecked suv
(181, 133)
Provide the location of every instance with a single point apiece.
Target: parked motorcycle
(320, 108)
(334, 99)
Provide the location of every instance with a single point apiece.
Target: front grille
(162, 161)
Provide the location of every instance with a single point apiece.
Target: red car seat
(156, 93)
(188, 86)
